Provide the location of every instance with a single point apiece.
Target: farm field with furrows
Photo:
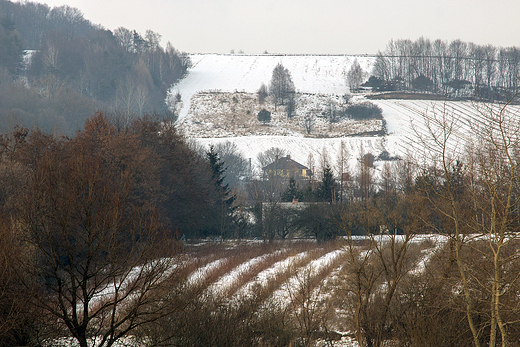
(278, 292)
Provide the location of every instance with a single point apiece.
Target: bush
(264, 116)
(366, 110)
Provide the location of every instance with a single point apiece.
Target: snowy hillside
(218, 104)
(311, 73)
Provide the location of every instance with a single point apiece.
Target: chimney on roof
(288, 156)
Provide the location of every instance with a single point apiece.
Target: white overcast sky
(307, 26)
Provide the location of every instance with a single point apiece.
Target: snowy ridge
(225, 282)
(283, 296)
(265, 275)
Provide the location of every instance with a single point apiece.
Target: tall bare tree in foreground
(478, 199)
(375, 268)
(99, 256)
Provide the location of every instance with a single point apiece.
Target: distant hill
(218, 103)
(314, 74)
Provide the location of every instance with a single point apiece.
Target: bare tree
(477, 200)
(342, 168)
(365, 176)
(262, 94)
(375, 269)
(309, 122)
(281, 85)
(311, 164)
(270, 156)
(355, 76)
(124, 37)
(141, 97)
(51, 59)
(69, 19)
(290, 108)
(310, 306)
(98, 243)
(125, 97)
(153, 39)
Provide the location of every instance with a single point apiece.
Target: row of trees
(75, 68)
(447, 67)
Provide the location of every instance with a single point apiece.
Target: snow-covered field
(223, 72)
(321, 77)
(303, 269)
(312, 74)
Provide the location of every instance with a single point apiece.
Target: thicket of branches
(91, 225)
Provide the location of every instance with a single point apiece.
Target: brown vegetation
(222, 114)
(91, 229)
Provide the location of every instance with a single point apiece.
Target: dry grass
(222, 114)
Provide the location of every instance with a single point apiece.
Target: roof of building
(285, 163)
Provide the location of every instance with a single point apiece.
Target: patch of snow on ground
(201, 273)
(226, 281)
(264, 276)
(282, 297)
(223, 72)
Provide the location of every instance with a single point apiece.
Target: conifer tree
(222, 214)
(292, 191)
(327, 190)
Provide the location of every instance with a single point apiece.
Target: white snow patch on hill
(300, 147)
(227, 73)
(313, 74)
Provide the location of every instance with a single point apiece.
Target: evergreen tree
(327, 190)
(264, 116)
(221, 215)
(292, 191)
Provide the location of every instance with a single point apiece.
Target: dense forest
(57, 69)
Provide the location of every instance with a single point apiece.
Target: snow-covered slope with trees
(209, 93)
(311, 73)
